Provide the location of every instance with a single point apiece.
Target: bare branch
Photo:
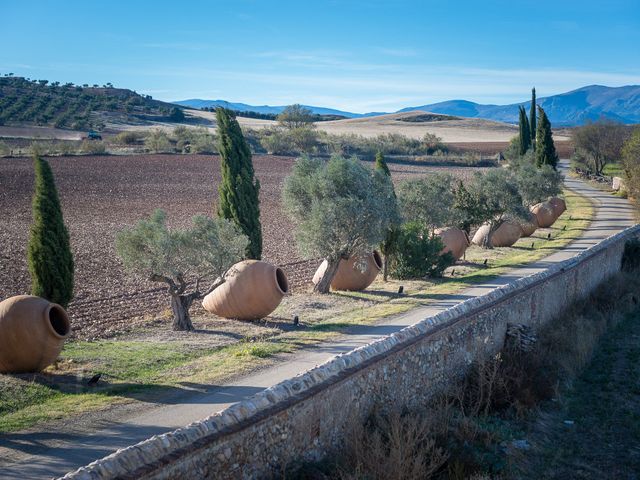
(154, 277)
(216, 283)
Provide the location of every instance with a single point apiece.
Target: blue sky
(363, 55)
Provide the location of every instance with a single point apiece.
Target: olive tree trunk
(180, 305)
(488, 239)
(385, 268)
(324, 284)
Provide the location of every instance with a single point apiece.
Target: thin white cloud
(398, 52)
(177, 45)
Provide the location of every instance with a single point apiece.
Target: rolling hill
(243, 107)
(576, 107)
(38, 102)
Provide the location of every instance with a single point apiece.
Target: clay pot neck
(377, 259)
(281, 281)
(57, 320)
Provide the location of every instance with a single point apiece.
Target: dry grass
(393, 447)
(455, 130)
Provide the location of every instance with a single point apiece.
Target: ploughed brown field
(102, 194)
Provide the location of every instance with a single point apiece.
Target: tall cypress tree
(388, 244)
(381, 164)
(532, 119)
(48, 252)
(239, 188)
(546, 150)
(524, 136)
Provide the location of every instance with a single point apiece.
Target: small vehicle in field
(93, 136)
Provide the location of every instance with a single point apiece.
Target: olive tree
(295, 116)
(492, 198)
(537, 184)
(341, 208)
(182, 259)
(428, 201)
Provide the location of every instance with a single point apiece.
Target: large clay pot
(558, 205)
(455, 241)
(32, 331)
(506, 235)
(529, 226)
(252, 290)
(349, 276)
(544, 213)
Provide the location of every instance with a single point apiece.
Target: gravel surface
(102, 194)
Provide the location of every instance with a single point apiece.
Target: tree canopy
(491, 198)
(524, 134)
(181, 257)
(532, 118)
(239, 189)
(537, 184)
(295, 116)
(599, 143)
(428, 201)
(545, 148)
(48, 252)
(341, 209)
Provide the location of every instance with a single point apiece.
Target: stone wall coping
(151, 454)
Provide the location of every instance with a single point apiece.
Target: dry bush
(519, 380)
(393, 447)
(129, 137)
(93, 147)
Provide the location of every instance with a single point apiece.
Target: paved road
(48, 454)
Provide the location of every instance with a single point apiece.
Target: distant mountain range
(576, 107)
(243, 107)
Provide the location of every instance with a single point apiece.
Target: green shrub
(93, 147)
(417, 253)
(128, 138)
(68, 147)
(176, 115)
(158, 141)
(277, 141)
(306, 139)
(203, 141)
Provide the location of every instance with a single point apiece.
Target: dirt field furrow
(100, 195)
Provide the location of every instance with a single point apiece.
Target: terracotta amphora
(32, 332)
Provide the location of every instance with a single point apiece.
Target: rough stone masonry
(305, 417)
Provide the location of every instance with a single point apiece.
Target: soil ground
(100, 195)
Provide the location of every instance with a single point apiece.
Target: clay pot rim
(280, 277)
(63, 315)
(377, 260)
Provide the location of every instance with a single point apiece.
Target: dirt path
(596, 432)
(48, 453)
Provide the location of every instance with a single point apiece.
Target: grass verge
(146, 368)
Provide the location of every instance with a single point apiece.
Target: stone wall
(305, 417)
